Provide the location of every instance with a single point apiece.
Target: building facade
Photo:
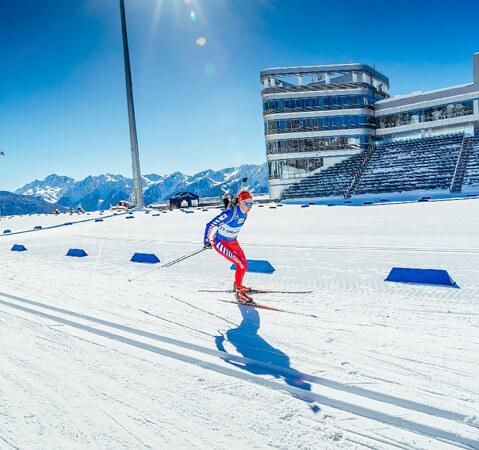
(318, 116)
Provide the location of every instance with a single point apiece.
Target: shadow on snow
(265, 359)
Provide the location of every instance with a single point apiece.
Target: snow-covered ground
(90, 360)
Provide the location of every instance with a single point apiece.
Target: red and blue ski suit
(228, 225)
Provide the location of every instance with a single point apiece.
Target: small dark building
(184, 200)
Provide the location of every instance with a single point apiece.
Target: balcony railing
(316, 108)
(323, 128)
(315, 149)
(322, 87)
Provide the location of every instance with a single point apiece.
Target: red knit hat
(244, 195)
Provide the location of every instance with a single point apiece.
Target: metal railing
(333, 148)
(460, 168)
(359, 172)
(322, 87)
(322, 128)
(316, 108)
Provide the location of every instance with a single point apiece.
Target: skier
(228, 224)
(226, 201)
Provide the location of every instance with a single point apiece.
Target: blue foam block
(18, 248)
(129, 217)
(77, 252)
(435, 277)
(146, 258)
(304, 206)
(7, 231)
(258, 266)
(38, 227)
(98, 220)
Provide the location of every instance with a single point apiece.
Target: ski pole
(168, 264)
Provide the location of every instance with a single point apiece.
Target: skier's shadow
(250, 345)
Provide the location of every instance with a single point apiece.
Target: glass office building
(318, 116)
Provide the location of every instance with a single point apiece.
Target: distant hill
(98, 192)
(13, 204)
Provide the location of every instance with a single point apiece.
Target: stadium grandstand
(333, 132)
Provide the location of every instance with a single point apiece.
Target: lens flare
(210, 69)
(188, 2)
(157, 15)
(200, 41)
(193, 16)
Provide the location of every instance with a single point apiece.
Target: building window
(318, 103)
(319, 124)
(317, 144)
(447, 111)
(293, 168)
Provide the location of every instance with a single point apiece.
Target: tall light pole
(135, 156)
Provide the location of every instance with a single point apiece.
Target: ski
(270, 308)
(253, 305)
(256, 291)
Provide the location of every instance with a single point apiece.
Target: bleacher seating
(416, 164)
(396, 166)
(332, 181)
(471, 176)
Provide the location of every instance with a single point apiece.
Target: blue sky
(62, 90)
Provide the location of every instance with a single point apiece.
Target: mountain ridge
(98, 192)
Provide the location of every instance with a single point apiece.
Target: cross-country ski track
(92, 361)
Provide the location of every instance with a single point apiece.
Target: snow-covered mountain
(98, 192)
(12, 204)
(51, 189)
(209, 183)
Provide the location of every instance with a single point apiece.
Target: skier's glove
(207, 246)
